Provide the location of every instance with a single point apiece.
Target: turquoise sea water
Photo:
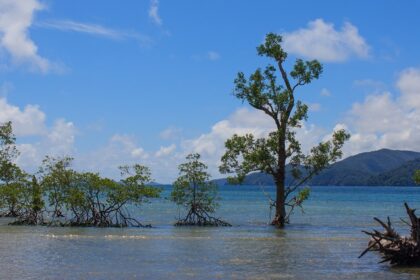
(323, 243)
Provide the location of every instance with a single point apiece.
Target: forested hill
(397, 177)
(378, 168)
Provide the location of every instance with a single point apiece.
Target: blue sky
(149, 81)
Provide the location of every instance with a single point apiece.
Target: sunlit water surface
(323, 243)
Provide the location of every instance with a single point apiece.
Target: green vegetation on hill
(357, 170)
(401, 176)
(378, 168)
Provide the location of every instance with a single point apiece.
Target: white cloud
(93, 29)
(320, 40)
(325, 92)
(208, 56)
(165, 151)
(387, 121)
(127, 145)
(314, 107)
(121, 149)
(16, 17)
(57, 141)
(409, 85)
(211, 145)
(34, 137)
(170, 133)
(29, 121)
(212, 55)
(154, 12)
(61, 138)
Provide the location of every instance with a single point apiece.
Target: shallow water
(323, 243)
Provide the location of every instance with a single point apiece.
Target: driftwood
(396, 249)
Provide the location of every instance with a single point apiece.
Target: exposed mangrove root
(9, 214)
(29, 219)
(396, 249)
(115, 218)
(199, 217)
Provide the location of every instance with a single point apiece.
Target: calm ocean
(323, 243)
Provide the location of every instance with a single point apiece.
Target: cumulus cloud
(409, 85)
(121, 149)
(320, 40)
(165, 151)
(58, 140)
(16, 17)
(211, 145)
(384, 120)
(29, 121)
(127, 145)
(34, 137)
(154, 12)
(170, 133)
(61, 138)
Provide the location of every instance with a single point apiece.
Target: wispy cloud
(325, 92)
(154, 12)
(94, 29)
(370, 84)
(212, 55)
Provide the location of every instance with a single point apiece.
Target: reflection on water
(322, 244)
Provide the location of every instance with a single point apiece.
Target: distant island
(383, 167)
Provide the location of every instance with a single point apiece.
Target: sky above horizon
(150, 81)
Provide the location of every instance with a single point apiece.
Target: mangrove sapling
(87, 199)
(193, 190)
(102, 202)
(11, 176)
(32, 207)
(57, 179)
(245, 154)
(132, 190)
(13, 190)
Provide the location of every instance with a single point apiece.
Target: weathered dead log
(396, 249)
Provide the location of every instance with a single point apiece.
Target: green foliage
(8, 150)
(73, 198)
(245, 154)
(57, 181)
(37, 200)
(133, 187)
(192, 189)
(12, 179)
(92, 200)
(417, 177)
(13, 191)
